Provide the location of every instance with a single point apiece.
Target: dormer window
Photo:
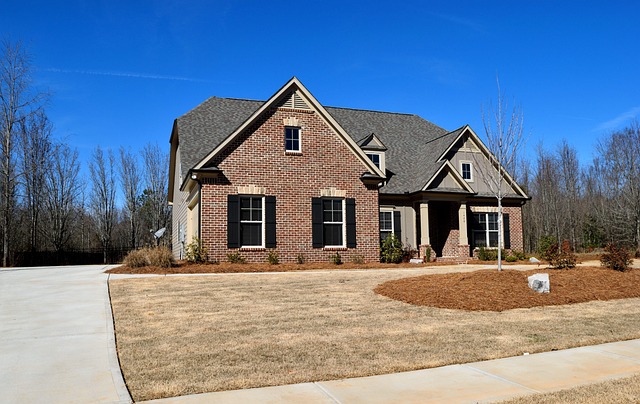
(292, 139)
(466, 169)
(375, 157)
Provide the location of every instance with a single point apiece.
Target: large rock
(539, 283)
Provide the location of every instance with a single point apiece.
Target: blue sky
(121, 71)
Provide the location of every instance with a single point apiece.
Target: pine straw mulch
(226, 268)
(490, 290)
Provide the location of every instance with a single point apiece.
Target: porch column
(462, 221)
(424, 223)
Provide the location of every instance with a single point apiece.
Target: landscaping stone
(539, 283)
(416, 261)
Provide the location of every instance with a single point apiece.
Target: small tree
(616, 257)
(103, 195)
(391, 250)
(503, 130)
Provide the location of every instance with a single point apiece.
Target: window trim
(381, 159)
(390, 211)
(462, 163)
(299, 130)
(262, 221)
(343, 223)
(487, 231)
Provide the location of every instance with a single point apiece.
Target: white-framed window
(485, 229)
(386, 224)
(333, 222)
(292, 139)
(466, 169)
(251, 221)
(375, 157)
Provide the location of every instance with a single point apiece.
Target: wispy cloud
(619, 120)
(460, 21)
(123, 74)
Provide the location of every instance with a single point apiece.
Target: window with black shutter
(251, 221)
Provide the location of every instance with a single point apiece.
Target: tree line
(46, 203)
(589, 205)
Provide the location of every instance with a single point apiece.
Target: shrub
(391, 250)
(301, 259)
(490, 254)
(157, 257)
(616, 257)
(336, 259)
(236, 258)
(544, 243)
(195, 252)
(136, 259)
(520, 255)
(358, 259)
(160, 257)
(560, 257)
(272, 257)
(427, 254)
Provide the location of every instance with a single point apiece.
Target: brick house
(291, 175)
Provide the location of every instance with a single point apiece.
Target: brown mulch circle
(490, 290)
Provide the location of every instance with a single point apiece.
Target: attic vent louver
(295, 101)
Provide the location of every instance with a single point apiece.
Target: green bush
(195, 252)
(511, 258)
(272, 257)
(391, 250)
(520, 255)
(427, 254)
(490, 254)
(544, 243)
(336, 259)
(235, 258)
(616, 258)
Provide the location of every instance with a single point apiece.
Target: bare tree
(36, 150)
(63, 188)
(156, 206)
(103, 195)
(130, 182)
(17, 101)
(503, 128)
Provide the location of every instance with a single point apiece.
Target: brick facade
(257, 157)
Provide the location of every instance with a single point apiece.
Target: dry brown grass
(185, 335)
(626, 390)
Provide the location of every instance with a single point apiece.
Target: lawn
(194, 334)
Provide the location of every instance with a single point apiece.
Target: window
(485, 230)
(251, 221)
(466, 169)
(375, 158)
(386, 224)
(292, 139)
(333, 222)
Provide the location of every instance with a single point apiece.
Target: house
(291, 175)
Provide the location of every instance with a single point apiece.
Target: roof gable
(447, 179)
(372, 142)
(295, 93)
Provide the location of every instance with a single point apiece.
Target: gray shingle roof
(413, 143)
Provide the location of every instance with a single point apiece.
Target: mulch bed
(185, 268)
(490, 290)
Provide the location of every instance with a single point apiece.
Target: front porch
(443, 228)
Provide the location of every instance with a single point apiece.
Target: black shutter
(233, 221)
(270, 221)
(351, 222)
(316, 219)
(507, 230)
(397, 225)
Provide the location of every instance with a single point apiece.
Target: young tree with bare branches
(503, 127)
(130, 181)
(103, 195)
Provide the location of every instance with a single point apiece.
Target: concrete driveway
(56, 337)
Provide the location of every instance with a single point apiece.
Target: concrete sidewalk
(56, 337)
(487, 381)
